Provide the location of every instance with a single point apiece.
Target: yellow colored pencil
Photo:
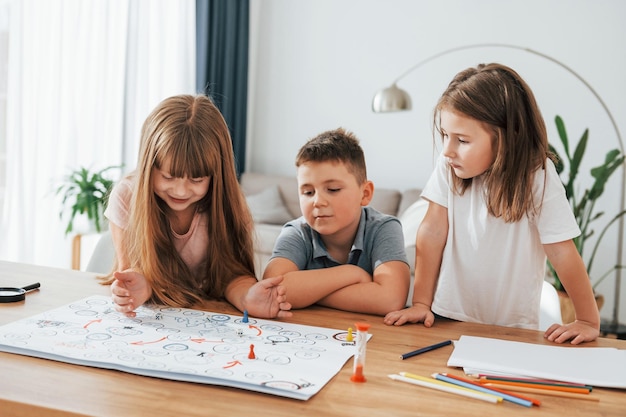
(450, 388)
(446, 384)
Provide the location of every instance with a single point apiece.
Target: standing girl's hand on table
(417, 313)
(129, 290)
(578, 332)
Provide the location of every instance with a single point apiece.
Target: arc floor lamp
(393, 98)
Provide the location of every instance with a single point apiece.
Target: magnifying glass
(11, 295)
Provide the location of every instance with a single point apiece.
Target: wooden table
(39, 387)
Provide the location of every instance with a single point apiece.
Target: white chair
(103, 255)
(550, 307)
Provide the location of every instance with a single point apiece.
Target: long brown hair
(496, 95)
(189, 132)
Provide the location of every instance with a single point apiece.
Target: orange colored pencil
(535, 381)
(548, 387)
(541, 391)
(501, 390)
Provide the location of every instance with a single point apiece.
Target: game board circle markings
(270, 327)
(153, 325)
(307, 354)
(316, 336)
(283, 385)
(155, 352)
(219, 317)
(167, 330)
(177, 347)
(86, 313)
(225, 349)
(277, 359)
(258, 375)
(97, 302)
(98, 336)
(274, 338)
(303, 342)
(131, 357)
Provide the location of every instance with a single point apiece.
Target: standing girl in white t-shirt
(180, 224)
(497, 207)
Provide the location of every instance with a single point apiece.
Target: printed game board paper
(595, 366)
(289, 360)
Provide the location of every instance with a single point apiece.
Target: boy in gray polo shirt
(340, 253)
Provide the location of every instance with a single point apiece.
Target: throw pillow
(411, 220)
(268, 207)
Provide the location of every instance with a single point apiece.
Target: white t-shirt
(492, 272)
(192, 246)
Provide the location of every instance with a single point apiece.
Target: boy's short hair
(337, 145)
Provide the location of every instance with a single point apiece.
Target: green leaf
(583, 204)
(85, 192)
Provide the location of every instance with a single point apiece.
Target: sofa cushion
(411, 220)
(386, 200)
(409, 197)
(254, 182)
(265, 236)
(268, 207)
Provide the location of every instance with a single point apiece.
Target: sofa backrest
(385, 200)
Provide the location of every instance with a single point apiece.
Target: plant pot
(82, 225)
(567, 307)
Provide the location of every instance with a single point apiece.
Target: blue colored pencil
(481, 388)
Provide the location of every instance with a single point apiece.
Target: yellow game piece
(349, 337)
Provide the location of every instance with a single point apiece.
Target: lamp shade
(391, 99)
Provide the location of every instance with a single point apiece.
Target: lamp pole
(402, 102)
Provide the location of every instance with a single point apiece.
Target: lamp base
(609, 327)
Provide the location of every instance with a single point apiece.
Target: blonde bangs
(187, 156)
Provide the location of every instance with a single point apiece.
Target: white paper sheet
(596, 366)
(291, 360)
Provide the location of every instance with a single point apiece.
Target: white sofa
(273, 200)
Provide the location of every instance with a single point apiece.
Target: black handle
(32, 286)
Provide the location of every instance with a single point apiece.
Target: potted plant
(85, 193)
(583, 206)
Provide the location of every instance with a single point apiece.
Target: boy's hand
(267, 299)
(578, 332)
(414, 314)
(129, 290)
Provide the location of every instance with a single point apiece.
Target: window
(4, 65)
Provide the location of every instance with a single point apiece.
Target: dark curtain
(222, 64)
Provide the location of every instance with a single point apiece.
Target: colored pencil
(544, 392)
(501, 390)
(472, 385)
(451, 389)
(425, 349)
(528, 379)
(446, 384)
(552, 387)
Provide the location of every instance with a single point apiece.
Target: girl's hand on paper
(578, 332)
(268, 299)
(417, 313)
(129, 290)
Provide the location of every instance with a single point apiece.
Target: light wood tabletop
(39, 387)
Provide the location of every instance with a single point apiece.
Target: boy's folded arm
(307, 287)
(387, 291)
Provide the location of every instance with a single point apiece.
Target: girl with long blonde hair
(180, 225)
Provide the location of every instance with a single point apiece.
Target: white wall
(316, 64)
